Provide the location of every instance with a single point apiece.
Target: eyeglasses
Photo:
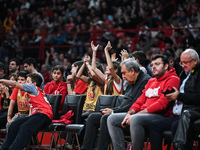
(185, 62)
(155, 64)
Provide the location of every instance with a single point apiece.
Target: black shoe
(178, 146)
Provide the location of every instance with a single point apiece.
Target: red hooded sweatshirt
(59, 88)
(152, 99)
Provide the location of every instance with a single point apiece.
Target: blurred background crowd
(66, 28)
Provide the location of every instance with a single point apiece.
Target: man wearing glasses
(186, 109)
(151, 105)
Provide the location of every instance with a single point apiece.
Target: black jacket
(191, 95)
(133, 91)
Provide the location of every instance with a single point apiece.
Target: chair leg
(77, 141)
(147, 144)
(66, 140)
(59, 138)
(53, 141)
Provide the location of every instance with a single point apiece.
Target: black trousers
(21, 131)
(183, 139)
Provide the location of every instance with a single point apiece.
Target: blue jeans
(156, 127)
(138, 124)
(21, 131)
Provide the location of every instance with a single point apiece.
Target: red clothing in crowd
(46, 76)
(59, 88)
(81, 87)
(161, 46)
(40, 104)
(152, 99)
(13, 96)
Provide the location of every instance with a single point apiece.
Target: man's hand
(126, 120)
(172, 96)
(107, 111)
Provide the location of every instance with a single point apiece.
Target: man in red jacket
(151, 105)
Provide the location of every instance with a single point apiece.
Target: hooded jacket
(152, 99)
(59, 88)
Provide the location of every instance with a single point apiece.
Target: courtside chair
(105, 101)
(74, 103)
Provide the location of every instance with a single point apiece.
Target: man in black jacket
(136, 82)
(188, 95)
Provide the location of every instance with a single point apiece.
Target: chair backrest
(74, 103)
(105, 101)
(119, 100)
(54, 101)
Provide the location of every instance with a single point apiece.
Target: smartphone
(124, 124)
(168, 91)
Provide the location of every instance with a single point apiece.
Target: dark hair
(109, 88)
(58, 67)
(23, 73)
(2, 67)
(30, 61)
(16, 61)
(35, 78)
(79, 64)
(171, 51)
(13, 75)
(141, 56)
(163, 57)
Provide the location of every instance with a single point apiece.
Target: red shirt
(39, 104)
(59, 88)
(81, 87)
(14, 94)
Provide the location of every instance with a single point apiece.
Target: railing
(96, 36)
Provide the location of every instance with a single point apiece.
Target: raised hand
(113, 57)
(108, 46)
(87, 59)
(124, 55)
(94, 48)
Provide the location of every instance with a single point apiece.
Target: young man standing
(21, 131)
(149, 106)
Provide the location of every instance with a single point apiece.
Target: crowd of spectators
(68, 17)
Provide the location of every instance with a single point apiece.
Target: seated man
(21, 131)
(149, 106)
(188, 96)
(136, 82)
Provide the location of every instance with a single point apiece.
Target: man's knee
(104, 118)
(93, 118)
